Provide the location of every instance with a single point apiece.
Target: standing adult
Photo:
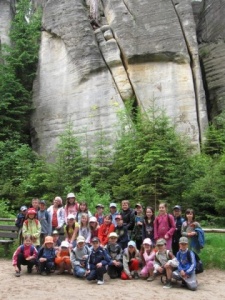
(164, 226)
(177, 233)
(57, 215)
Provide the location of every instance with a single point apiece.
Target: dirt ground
(60, 287)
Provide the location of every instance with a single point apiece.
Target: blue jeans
(78, 271)
(97, 273)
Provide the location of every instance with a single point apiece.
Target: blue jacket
(188, 266)
(198, 241)
(100, 255)
(48, 253)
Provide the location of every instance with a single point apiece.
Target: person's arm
(75, 232)
(125, 264)
(172, 226)
(14, 258)
(100, 233)
(191, 269)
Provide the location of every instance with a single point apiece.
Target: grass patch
(212, 254)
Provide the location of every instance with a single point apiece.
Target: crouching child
(116, 253)
(79, 257)
(99, 261)
(46, 257)
(165, 262)
(62, 260)
(186, 267)
(131, 261)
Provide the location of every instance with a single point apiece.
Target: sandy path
(55, 287)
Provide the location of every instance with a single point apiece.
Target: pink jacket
(164, 224)
(26, 252)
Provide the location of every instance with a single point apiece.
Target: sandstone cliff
(144, 49)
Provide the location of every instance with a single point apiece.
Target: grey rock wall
(6, 14)
(211, 36)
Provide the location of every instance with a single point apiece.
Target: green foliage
(17, 71)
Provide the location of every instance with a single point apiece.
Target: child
(19, 222)
(138, 223)
(122, 232)
(94, 227)
(99, 260)
(46, 257)
(83, 208)
(186, 267)
(99, 214)
(32, 227)
(164, 226)
(56, 241)
(105, 229)
(148, 224)
(116, 253)
(71, 206)
(44, 219)
(165, 262)
(148, 257)
(62, 259)
(25, 254)
(71, 230)
(113, 212)
(35, 205)
(84, 229)
(79, 257)
(131, 260)
(127, 215)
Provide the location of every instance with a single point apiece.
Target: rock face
(6, 15)
(211, 36)
(147, 51)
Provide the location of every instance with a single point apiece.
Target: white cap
(112, 205)
(70, 216)
(64, 244)
(93, 219)
(70, 195)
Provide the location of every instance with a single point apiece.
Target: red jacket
(104, 231)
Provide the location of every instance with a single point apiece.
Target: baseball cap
(64, 244)
(138, 205)
(93, 219)
(113, 234)
(71, 216)
(55, 232)
(99, 205)
(177, 207)
(95, 239)
(70, 195)
(112, 205)
(160, 242)
(147, 241)
(131, 243)
(42, 202)
(183, 240)
(80, 239)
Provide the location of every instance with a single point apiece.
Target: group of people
(130, 244)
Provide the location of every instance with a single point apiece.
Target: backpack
(199, 265)
(168, 252)
(31, 249)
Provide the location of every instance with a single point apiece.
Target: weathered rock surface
(6, 15)
(211, 35)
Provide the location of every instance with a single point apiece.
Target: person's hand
(192, 233)
(130, 276)
(183, 274)
(99, 265)
(166, 236)
(160, 269)
(29, 257)
(87, 272)
(17, 269)
(42, 259)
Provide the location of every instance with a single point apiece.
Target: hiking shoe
(167, 285)
(17, 274)
(151, 278)
(100, 282)
(136, 276)
(43, 273)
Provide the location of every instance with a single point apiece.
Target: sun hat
(48, 239)
(80, 239)
(113, 234)
(70, 195)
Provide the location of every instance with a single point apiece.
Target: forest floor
(60, 287)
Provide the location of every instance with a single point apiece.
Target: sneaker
(167, 285)
(136, 276)
(100, 282)
(43, 273)
(151, 278)
(17, 274)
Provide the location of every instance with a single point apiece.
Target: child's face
(189, 216)
(149, 213)
(71, 221)
(83, 207)
(93, 224)
(119, 222)
(139, 209)
(131, 249)
(95, 245)
(147, 246)
(71, 200)
(112, 210)
(42, 206)
(162, 209)
(100, 210)
(176, 212)
(24, 212)
(31, 216)
(55, 238)
(27, 242)
(107, 220)
(183, 246)
(84, 220)
(35, 204)
(48, 245)
(80, 245)
(125, 205)
(161, 248)
(112, 240)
